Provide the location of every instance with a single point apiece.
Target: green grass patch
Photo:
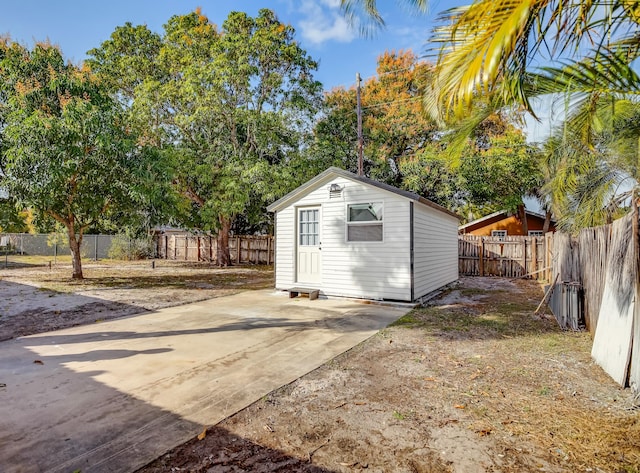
(500, 315)
(407, 320)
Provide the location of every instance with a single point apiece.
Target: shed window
(502, 234)
(536, 233)
(309, 231)
(364, 222)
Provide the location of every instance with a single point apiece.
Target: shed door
(308, 248)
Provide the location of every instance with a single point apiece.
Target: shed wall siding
(285, 247)
(375, 270)
(435, 249)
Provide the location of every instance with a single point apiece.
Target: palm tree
(489, 50)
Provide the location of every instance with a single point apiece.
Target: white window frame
(502, 234)
(370, 222)
(300, 234)
(536, 233)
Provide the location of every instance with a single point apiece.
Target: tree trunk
(75, 241)
(547, 221)
(523, 218)
(224, 257)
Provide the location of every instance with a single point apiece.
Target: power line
(394, 71)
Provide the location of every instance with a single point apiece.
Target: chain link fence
(33, 249)
(24, 249)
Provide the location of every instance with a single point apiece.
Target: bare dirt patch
(474, 382)
(37, 299)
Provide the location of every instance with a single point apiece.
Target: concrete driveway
(115, 395)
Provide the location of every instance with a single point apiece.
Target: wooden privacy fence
(510, 256)
(249, 249)
(604, 262)
(595, 283)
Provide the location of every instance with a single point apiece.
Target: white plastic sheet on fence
(613, 339)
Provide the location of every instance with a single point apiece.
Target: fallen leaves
(202, 434)
(38, 362)
(476, 375)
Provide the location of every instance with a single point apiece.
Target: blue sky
(79, 25)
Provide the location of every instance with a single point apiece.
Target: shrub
(125, 248)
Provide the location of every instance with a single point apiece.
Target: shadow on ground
(27, 310)
(220, 450)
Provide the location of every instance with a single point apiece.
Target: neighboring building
(348, 235)
(502, 223)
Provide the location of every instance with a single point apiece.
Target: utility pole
(359, 113)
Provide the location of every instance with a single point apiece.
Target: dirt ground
(38, 299)
(473, 382)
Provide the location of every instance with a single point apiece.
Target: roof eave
(332, 172)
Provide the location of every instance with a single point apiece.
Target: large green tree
(230, 105)
(497, 169)
(68, 152)
(394, 126)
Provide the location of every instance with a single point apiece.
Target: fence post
(95, 248)
(199, 248)
(524, 256)
(534, 257)
(268, 250)
(238, 249)
(186, 247)
(481, 257)
(548, 240)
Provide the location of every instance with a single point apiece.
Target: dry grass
(518, 377)
(113, 289)
(114, 274)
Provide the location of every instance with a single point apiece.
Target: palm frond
(366, 16)
(479, 46)
(605, 71)
(593, 201)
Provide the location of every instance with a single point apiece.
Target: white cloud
(331, 3)
(323, 21)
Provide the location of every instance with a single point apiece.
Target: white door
(309, 261)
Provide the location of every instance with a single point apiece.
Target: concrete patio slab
(115, 395)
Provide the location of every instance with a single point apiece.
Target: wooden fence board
(510, 257)
(593, 245)
(252, 249)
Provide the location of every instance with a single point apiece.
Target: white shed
(347, 235)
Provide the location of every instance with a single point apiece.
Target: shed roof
(334, 172)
